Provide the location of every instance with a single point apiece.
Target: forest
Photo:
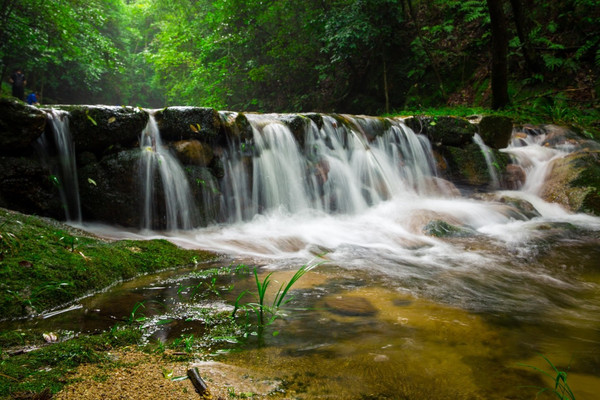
(351, 56)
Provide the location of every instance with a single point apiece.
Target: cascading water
(64, 169)
(489, 160)
(337, 171)
(177, 209)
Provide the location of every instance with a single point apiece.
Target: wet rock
(105, 129)
(26, 186)
(110, 190)
(298, 124)
(316, 118)
(20, 126)
(193, 152)
(439, 228)
(467, 165)
(443, 131)
(513, 207)
(351, 306)
(180, 123)
(514, 177)
(236, 126)
(205, 190)
(574, 182)
(496, 131)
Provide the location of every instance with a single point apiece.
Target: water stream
(394, 312)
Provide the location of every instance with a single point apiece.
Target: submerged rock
(440, 228)
(351, 306)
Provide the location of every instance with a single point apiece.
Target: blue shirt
(31, 99)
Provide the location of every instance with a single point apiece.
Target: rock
(115, 196)
(316, 118)
(193, 152)
(103, 129)
(514, 177)
(298, 124)
(467, 165)
(443, 131)
(574, 182)
(205, 190)
(20, 126)
(439, 228)
(180, 123)
(236, 126)
(351, 306)
(25, 186)
(496, 131)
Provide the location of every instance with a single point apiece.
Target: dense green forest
(353, 56)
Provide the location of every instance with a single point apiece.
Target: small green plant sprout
(561, 388)
(265, 313)
(132, 315)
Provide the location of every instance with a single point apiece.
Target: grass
(561, 389)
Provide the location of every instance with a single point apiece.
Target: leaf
(193, 128)
(92, 119)
(93, 182)
(111, 120)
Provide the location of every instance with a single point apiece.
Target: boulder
(514, 177)
(574, 182)
(236, 126)
(181, 123)
(467, 165)
(443, 131)
(26, 186)
(496, 131)
(111, 190)
(105, 129)
(20, 126)
(206, 192)
(193, 152)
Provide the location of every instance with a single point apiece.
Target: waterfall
(64, 170)
(489, 160)
(346, 166)
(177, 209)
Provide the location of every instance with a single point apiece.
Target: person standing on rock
(18, 82)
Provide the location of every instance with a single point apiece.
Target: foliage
(267, 313)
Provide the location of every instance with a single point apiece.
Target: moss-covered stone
(20, 126)
(443, 131)
(181, 123)
(439, 228)
(193, 152)
(574, 182)
(496, 131)
(236, 126)
(467, 165)
(47, 264)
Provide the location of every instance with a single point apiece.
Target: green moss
(44, 264)
(440, 228)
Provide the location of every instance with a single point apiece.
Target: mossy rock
(443, 131)
(105, 129)
(298, 124)
(467, 165)
(316, 118)
(496, 131)
(205, 190)
(439, 228)
(574, 182)
(20, 126)
(236, 126)
(350, 306)
(181, 123)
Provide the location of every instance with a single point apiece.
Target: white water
(489, 160)
(177, 203)
(64, 170)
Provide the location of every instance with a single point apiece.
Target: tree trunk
(499, 55)
(385, 86)
(522, 23)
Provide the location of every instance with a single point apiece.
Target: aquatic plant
(265, 313)
(561, 388)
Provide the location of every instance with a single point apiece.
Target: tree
(499, 52)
